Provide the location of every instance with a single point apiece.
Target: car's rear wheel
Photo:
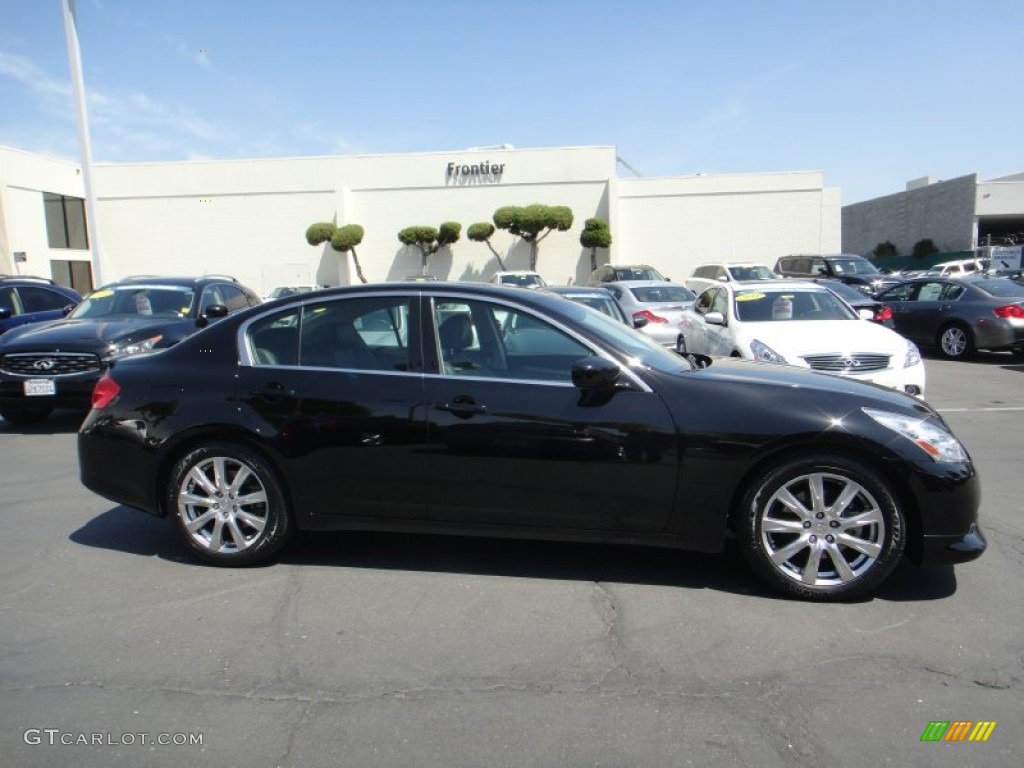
(228, 505)
(956, 341)
(26, 414)
(821, 528)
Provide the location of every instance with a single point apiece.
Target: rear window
(656, 294)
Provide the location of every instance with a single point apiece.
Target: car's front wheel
(228, 505)
(26, 414)
(821, 528)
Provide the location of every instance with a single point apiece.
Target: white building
(248, 218)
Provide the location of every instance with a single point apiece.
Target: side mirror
(640, 322)
(67, 310)
(5, 313)
(213, 312)
(714, 318)
(595, 373)
(866, 314)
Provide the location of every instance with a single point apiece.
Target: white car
(524, 278)
(801, 324)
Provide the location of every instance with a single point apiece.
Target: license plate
(35, 387)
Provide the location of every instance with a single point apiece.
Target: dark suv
(25, 300)
(849, 268)
(55, 365)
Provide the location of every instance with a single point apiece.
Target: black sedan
(470, 409)
(959, 315)
(55, 365)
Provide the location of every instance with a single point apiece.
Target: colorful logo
(958, 730)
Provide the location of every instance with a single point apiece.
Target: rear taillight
(885, 313)
(104, 392)
(649, 316)
(1010, 310)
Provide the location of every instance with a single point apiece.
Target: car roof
(643, 283)
(781, 284)
(578, 290)
(173, 281)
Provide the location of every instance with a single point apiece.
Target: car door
(694, 328)
(513, 442)
(720, 338)
(922, 317)
(336, 385)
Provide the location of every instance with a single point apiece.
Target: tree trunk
(359, 268)
(593, 259)
(501, 264)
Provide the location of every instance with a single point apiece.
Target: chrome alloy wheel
(822, 529)
(223, 505)
(954, 341)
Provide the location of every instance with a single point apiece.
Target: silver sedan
(655, 307)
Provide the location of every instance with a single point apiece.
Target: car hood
(85, 335)
(795, 339)
(792, 389)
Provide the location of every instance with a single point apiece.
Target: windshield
(662, 294)
(134, 300)
(641, 349)
(853, 266)
(784, 305)
(522, 280)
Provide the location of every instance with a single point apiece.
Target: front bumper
(950, 550)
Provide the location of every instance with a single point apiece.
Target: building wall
(679, 223)
(943, 211)
(24, 177)
(248, 218)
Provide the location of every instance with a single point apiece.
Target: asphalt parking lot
(391, 650)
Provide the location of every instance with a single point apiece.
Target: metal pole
(78, 90)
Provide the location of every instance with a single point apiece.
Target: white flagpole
(78, 89)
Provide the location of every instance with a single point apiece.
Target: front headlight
(762, 351)
(913, 356)
(939, 444)
(132, 348)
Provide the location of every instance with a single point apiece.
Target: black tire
(227, 504)
(956, 342)
(794, 536)
(26, 414)
(681, 345)
(1018, 352)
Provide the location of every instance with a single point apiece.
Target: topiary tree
(342, 239)
(596, 234)
(924, 248)
(885, 250)
(346, 239)
(430, 240)
(481, 233)
(318, 233)
(533, 223)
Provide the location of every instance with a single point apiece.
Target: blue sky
(873, 93)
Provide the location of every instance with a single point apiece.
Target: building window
(73, 274)
(65, 221)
